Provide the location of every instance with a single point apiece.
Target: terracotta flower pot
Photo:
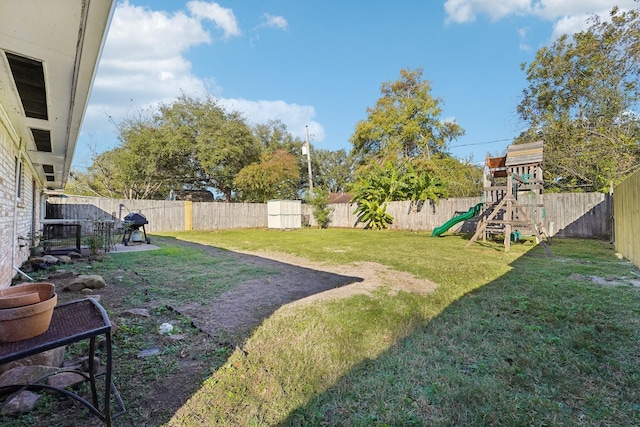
(21, 323)
(19, 300)
(45, 290)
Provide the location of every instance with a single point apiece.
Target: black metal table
(70, 323)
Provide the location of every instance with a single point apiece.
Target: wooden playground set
(511, 199)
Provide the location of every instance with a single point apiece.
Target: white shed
(283, 214)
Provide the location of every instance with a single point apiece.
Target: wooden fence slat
(626, 203)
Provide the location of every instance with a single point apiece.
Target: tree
(127, 171)
(333, 170)
(582, 101)
(208, 143)
(273, 136)
(460, 178)
(189, 144)
(276, 176)
(405, 122)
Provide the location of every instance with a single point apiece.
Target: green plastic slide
(456, 219)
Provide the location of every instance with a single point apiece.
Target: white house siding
(17, 216)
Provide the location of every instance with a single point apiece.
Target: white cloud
(555, 9)
(568, 16)
(142, 64)
(269, 21)
(295, 116)
(523, 34)
(139, 33)
(570, 25)
(460, 11)
(278, 22)
(223, 17)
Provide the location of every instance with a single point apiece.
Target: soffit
(66, 37)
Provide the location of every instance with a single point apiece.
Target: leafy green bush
(94, 242)
(373, 215)
(375, 186)
(321, 210)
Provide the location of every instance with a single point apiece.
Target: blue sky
(321, 63)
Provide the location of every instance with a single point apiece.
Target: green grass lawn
(506, 339)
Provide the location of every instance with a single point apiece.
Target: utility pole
(308, 150)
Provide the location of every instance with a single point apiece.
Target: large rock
(85, 364)
(136, 312)
(50, 259)
(37, 260)
(65, 380)
(54, 357)
(82, 364)
(81, 282)
(22, 403)
(25, 374)
(61, 274)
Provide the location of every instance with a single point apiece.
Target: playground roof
(497, 166)
(525, 154)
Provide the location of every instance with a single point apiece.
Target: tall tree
(276, 176)
(582, 100)
(274, 135)
(460, 178)
(405, 122)
(128, 171)
(187, 144)
(333, 170)
(209, 143)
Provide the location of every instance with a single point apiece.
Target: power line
(481, 143)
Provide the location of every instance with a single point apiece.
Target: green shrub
(321, 209)
(94, 243)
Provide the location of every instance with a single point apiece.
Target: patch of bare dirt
(233, 315)
(603, 281)
(299, 281)
(373, 276)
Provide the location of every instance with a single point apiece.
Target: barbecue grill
(132, 234)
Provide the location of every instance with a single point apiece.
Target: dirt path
(232, 316)
(238, 311)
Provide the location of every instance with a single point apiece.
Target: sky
(320, 64)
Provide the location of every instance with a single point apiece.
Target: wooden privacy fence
(626, 201)
(566, 214)
(586, 215)
(163, 215)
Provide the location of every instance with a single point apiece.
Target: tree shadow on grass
(232, 316)
(532, 347)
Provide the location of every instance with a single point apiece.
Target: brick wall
(16, 214)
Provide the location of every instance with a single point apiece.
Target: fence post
(188, 215)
